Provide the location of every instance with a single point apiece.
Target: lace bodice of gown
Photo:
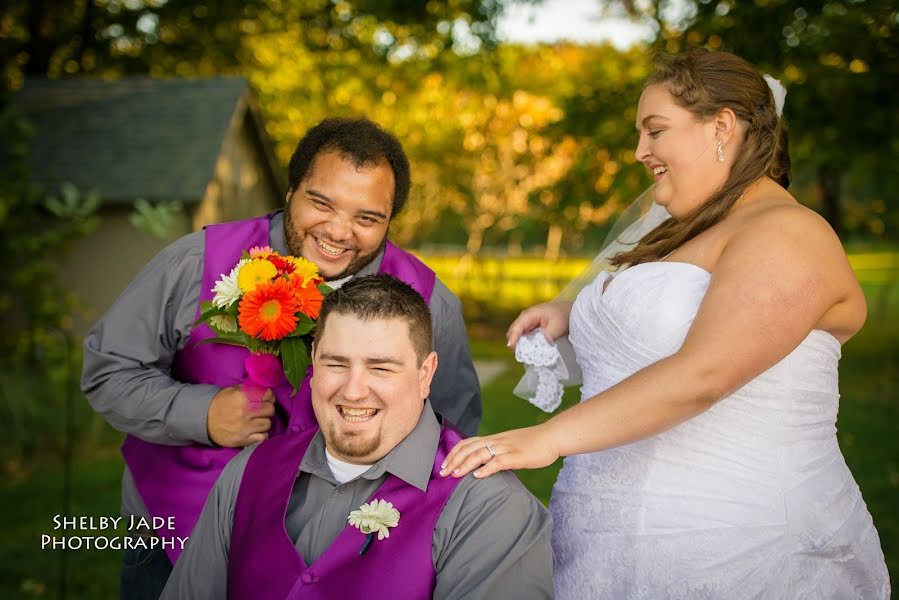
(751, 499)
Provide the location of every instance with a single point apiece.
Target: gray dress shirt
(128, 355)
(492, 539)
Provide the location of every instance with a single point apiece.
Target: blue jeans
(144, 573)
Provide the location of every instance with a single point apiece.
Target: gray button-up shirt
(128, 355)
(492, 539)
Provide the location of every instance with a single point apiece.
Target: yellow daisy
(305, 268)
(254, 272)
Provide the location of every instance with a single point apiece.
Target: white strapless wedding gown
(751, 499)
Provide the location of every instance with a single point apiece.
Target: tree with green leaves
(840, 63)
(83, 37)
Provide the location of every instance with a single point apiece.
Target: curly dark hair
(381, 296)
(361, 141)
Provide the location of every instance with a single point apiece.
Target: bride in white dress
(702, 461)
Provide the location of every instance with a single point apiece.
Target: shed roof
(135, 137)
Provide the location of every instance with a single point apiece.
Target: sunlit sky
(573, 20)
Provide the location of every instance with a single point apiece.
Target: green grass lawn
(28, 503)
(867, 428)
(31, 495)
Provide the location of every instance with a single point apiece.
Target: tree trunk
(475, 240)
(553, 242)
(40, 45)
(830, 179)
(85, 34)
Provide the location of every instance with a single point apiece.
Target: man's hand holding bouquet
(269, 304)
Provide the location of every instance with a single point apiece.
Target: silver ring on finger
(491, 450)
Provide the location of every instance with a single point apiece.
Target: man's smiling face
(339, 214)
(368, 385)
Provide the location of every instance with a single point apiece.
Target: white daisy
(226, 289)
(376, 516)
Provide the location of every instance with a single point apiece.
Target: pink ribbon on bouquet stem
(264, 372)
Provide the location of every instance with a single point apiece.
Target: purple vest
(174, 481)
(264, 564)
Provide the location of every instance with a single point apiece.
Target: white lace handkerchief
(549, 367)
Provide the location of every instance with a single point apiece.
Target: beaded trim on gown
(751, 499)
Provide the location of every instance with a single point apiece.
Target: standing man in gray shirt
(347, 180)
(357, 508)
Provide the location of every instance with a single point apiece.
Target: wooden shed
(198, 142)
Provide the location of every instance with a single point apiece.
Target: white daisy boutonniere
(376, 516)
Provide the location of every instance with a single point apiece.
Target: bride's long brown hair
(704, 83)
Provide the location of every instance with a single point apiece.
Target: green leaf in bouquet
(232, 340)
(257, 346)
(295, 358)
(207, 311)
(230, 337)
(325, 289)
(305, 325)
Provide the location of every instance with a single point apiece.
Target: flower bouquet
(268, 304)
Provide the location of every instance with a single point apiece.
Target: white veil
(550, 366)
(642, 216)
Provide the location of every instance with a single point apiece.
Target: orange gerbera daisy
(308, 297)
(269, 311)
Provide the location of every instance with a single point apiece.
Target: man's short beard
(294, 243)
(351, 446)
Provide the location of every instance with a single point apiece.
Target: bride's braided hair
(705, 82)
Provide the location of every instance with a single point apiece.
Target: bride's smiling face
(679, 150)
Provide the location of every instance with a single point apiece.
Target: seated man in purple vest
(181, 401)
(306, 515)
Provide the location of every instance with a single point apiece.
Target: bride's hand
(528, 448)
(551, 316)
